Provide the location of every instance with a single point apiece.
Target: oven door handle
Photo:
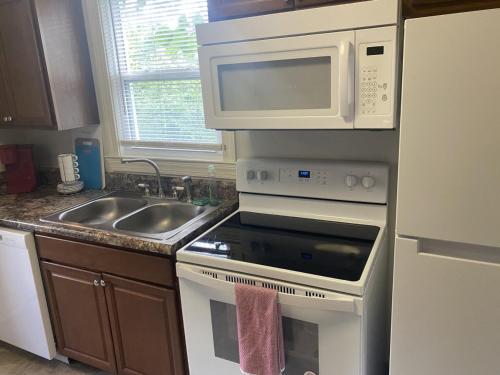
(342, 304)
(346, 304)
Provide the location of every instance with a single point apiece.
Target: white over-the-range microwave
(295, 71)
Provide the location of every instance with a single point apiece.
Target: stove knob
(250, 175)
(262, 175)
(368, 182)
(351, 180)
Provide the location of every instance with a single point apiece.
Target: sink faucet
(156, 168)
(188, 187)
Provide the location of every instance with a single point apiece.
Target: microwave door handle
(343, 304)
(346, 81)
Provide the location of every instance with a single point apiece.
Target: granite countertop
(24, 211)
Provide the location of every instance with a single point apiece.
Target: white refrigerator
(446, 297)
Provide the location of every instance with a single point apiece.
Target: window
(153, 64)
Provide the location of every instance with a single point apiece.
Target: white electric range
(315, 231)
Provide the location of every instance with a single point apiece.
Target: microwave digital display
(304, 174)
(378, 50)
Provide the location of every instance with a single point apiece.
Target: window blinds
(155, 53)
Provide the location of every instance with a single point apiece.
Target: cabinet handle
(103, 283)
(96, 282)
(9, 118)
(5, 119)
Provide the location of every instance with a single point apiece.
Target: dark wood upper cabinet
(45, 71)
(22, 69)
(145, 326)
(314, 3)
(4, 107)
(79, 315)
(420, 8)
(225, 9)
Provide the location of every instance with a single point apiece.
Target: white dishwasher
(24, 317)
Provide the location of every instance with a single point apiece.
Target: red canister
(20, 168)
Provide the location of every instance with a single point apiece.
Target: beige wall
(47, 143)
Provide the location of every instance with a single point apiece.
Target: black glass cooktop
(318, 247)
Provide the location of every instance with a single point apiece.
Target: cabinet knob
(103, 283)
(9, 118)
(96, 282)
(5, 119)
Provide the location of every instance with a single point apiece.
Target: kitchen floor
(17, 362)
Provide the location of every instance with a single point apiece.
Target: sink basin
(103, 210)
(126, 212)
(160, 218)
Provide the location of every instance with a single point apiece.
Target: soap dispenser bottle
(212, 186)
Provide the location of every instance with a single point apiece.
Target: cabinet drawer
(225, 9)
(148, 268)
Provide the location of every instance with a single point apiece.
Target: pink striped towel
(260, 331)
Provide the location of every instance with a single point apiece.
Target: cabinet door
(79, 315)
(224, 9)
(22, 67)
(145, 326)
(419, 8)
(4, 104)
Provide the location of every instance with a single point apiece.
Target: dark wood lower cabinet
(145, 328)
(79, 315)
(113, 309)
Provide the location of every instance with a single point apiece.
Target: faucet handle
(145, 186)
(176, 190)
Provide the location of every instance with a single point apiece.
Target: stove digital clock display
(304, 174)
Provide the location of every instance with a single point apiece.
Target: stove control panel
(344, 180)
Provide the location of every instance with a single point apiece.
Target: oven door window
(301, 339)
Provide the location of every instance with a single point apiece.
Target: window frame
(173, 158)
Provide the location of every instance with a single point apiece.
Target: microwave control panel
(376, 72)
(336, 180)
(374, 87)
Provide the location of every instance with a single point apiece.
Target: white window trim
(110, 115)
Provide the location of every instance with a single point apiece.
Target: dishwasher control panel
(335, 180)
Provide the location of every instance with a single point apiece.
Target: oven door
(284, 83)
(322, 330)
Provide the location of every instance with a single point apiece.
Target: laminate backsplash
(226, 189)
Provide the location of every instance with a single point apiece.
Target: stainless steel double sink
(129, 213)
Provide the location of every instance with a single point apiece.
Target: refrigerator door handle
(457, 250)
